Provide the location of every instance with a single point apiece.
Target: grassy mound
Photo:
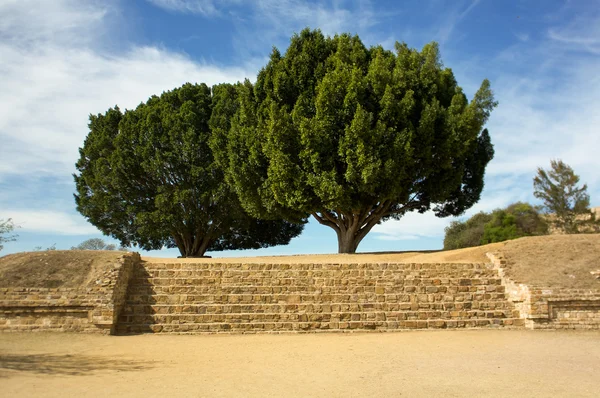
(554, 261)
(52, 269)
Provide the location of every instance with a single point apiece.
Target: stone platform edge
(93, 308)
(545, 307)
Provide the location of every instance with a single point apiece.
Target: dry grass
(554, 261)
(51, 269)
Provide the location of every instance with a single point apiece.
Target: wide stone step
(306, 267)
(250, 281)
(331, 326)
(313, 317)
(332, 274)
(140, 309)
(313, 289)
(295, 290)
(311, 298)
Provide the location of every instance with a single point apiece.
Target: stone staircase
(248, 298)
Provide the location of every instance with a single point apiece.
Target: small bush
(517, 220)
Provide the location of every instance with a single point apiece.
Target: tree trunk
(347, 242)
(352, 227)
(190, 246)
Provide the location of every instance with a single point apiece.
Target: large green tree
(147, 177)
(354, 136)
(567, 203)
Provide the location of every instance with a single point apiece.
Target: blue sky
(61, 60)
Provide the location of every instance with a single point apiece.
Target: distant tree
(148, 177)
(94, 244)
(528, 220)
(354, 136)
(6, 227)
(567, 204)
(461, 234)
(502, 226)
(515, 221)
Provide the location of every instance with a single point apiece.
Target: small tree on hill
(6, 227)
(354, 136)
(94, 244)
(566, 202)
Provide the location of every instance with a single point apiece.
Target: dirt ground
(54, 268)
(475, 363)
(554, 261)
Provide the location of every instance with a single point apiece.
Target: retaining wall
(548, 307)
(93, 308)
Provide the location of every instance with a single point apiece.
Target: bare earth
(54, 268)
(476, 363)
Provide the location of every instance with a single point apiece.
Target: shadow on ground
(66, 365)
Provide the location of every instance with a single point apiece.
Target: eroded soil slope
(51, 269)
(554, 261)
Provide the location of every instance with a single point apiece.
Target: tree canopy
(354, 135)
(567, 203)
(147, 177)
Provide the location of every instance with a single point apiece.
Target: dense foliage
(354, 136)
(515, 221)
(567, 204)
(147, 177)
(469, 233)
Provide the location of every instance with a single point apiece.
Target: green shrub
(517, 220)
(460, 234)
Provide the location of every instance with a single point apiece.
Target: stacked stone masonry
(92, 308)
(212, 297)
(548, 307)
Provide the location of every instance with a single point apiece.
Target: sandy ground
(477, 363)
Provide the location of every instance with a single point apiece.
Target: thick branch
(323, 221)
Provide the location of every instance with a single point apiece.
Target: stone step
(335, 274)
(332, 326)
(316, 266)
(363, 292)
(312, 317)
(140, 309)
(220, 282)
(310, 298)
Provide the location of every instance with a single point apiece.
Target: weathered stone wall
(551, 308)
(92, 308)
(213, 297)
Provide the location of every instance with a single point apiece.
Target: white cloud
(54, 222)
(412, 226)
(50, 88)
(204, 7)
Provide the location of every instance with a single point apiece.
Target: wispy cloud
(46, 221)
(453, 19)
(204, 7)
